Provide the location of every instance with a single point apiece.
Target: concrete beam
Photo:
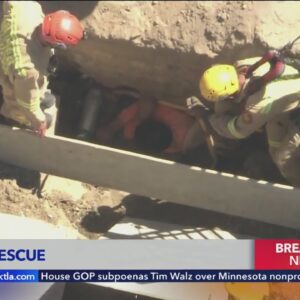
(148, 176)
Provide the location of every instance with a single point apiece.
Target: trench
(72, 87)
(168, 75)
(249, 157)
(156, 71)
(77, 112)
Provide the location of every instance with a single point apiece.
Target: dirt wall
(162, 47)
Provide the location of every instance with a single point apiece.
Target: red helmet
(61, 29)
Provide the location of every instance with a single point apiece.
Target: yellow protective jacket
(23, 62)
(239, 119)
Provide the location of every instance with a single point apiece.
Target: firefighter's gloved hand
(196, 108)
(41, 123)
(41, 130)
(43, 126)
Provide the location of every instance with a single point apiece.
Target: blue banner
(19, 276)
(148, 276)
(168, 276)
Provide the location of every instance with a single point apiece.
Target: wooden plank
(148, 176)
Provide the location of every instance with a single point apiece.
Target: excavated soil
(162, 47)
(19, 196)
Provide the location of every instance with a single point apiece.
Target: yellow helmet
(219, 82)
(248, 290)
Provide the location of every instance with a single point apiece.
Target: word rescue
(290, 248)
(22, 255)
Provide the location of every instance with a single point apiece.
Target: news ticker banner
(150, 261)
(147, 276)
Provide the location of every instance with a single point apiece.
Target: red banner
(277, 254)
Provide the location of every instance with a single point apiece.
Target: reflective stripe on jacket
(23, 59)
(19, 20)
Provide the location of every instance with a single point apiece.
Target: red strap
(276, 69)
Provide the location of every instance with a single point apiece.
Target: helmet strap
(61, 46)
(40, 36)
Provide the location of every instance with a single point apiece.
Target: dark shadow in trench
(80, 9)
(145, 208)
(25, 178)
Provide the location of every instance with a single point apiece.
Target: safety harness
(277, 59)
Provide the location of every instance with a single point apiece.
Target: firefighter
(246, 102)
(27, 43)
